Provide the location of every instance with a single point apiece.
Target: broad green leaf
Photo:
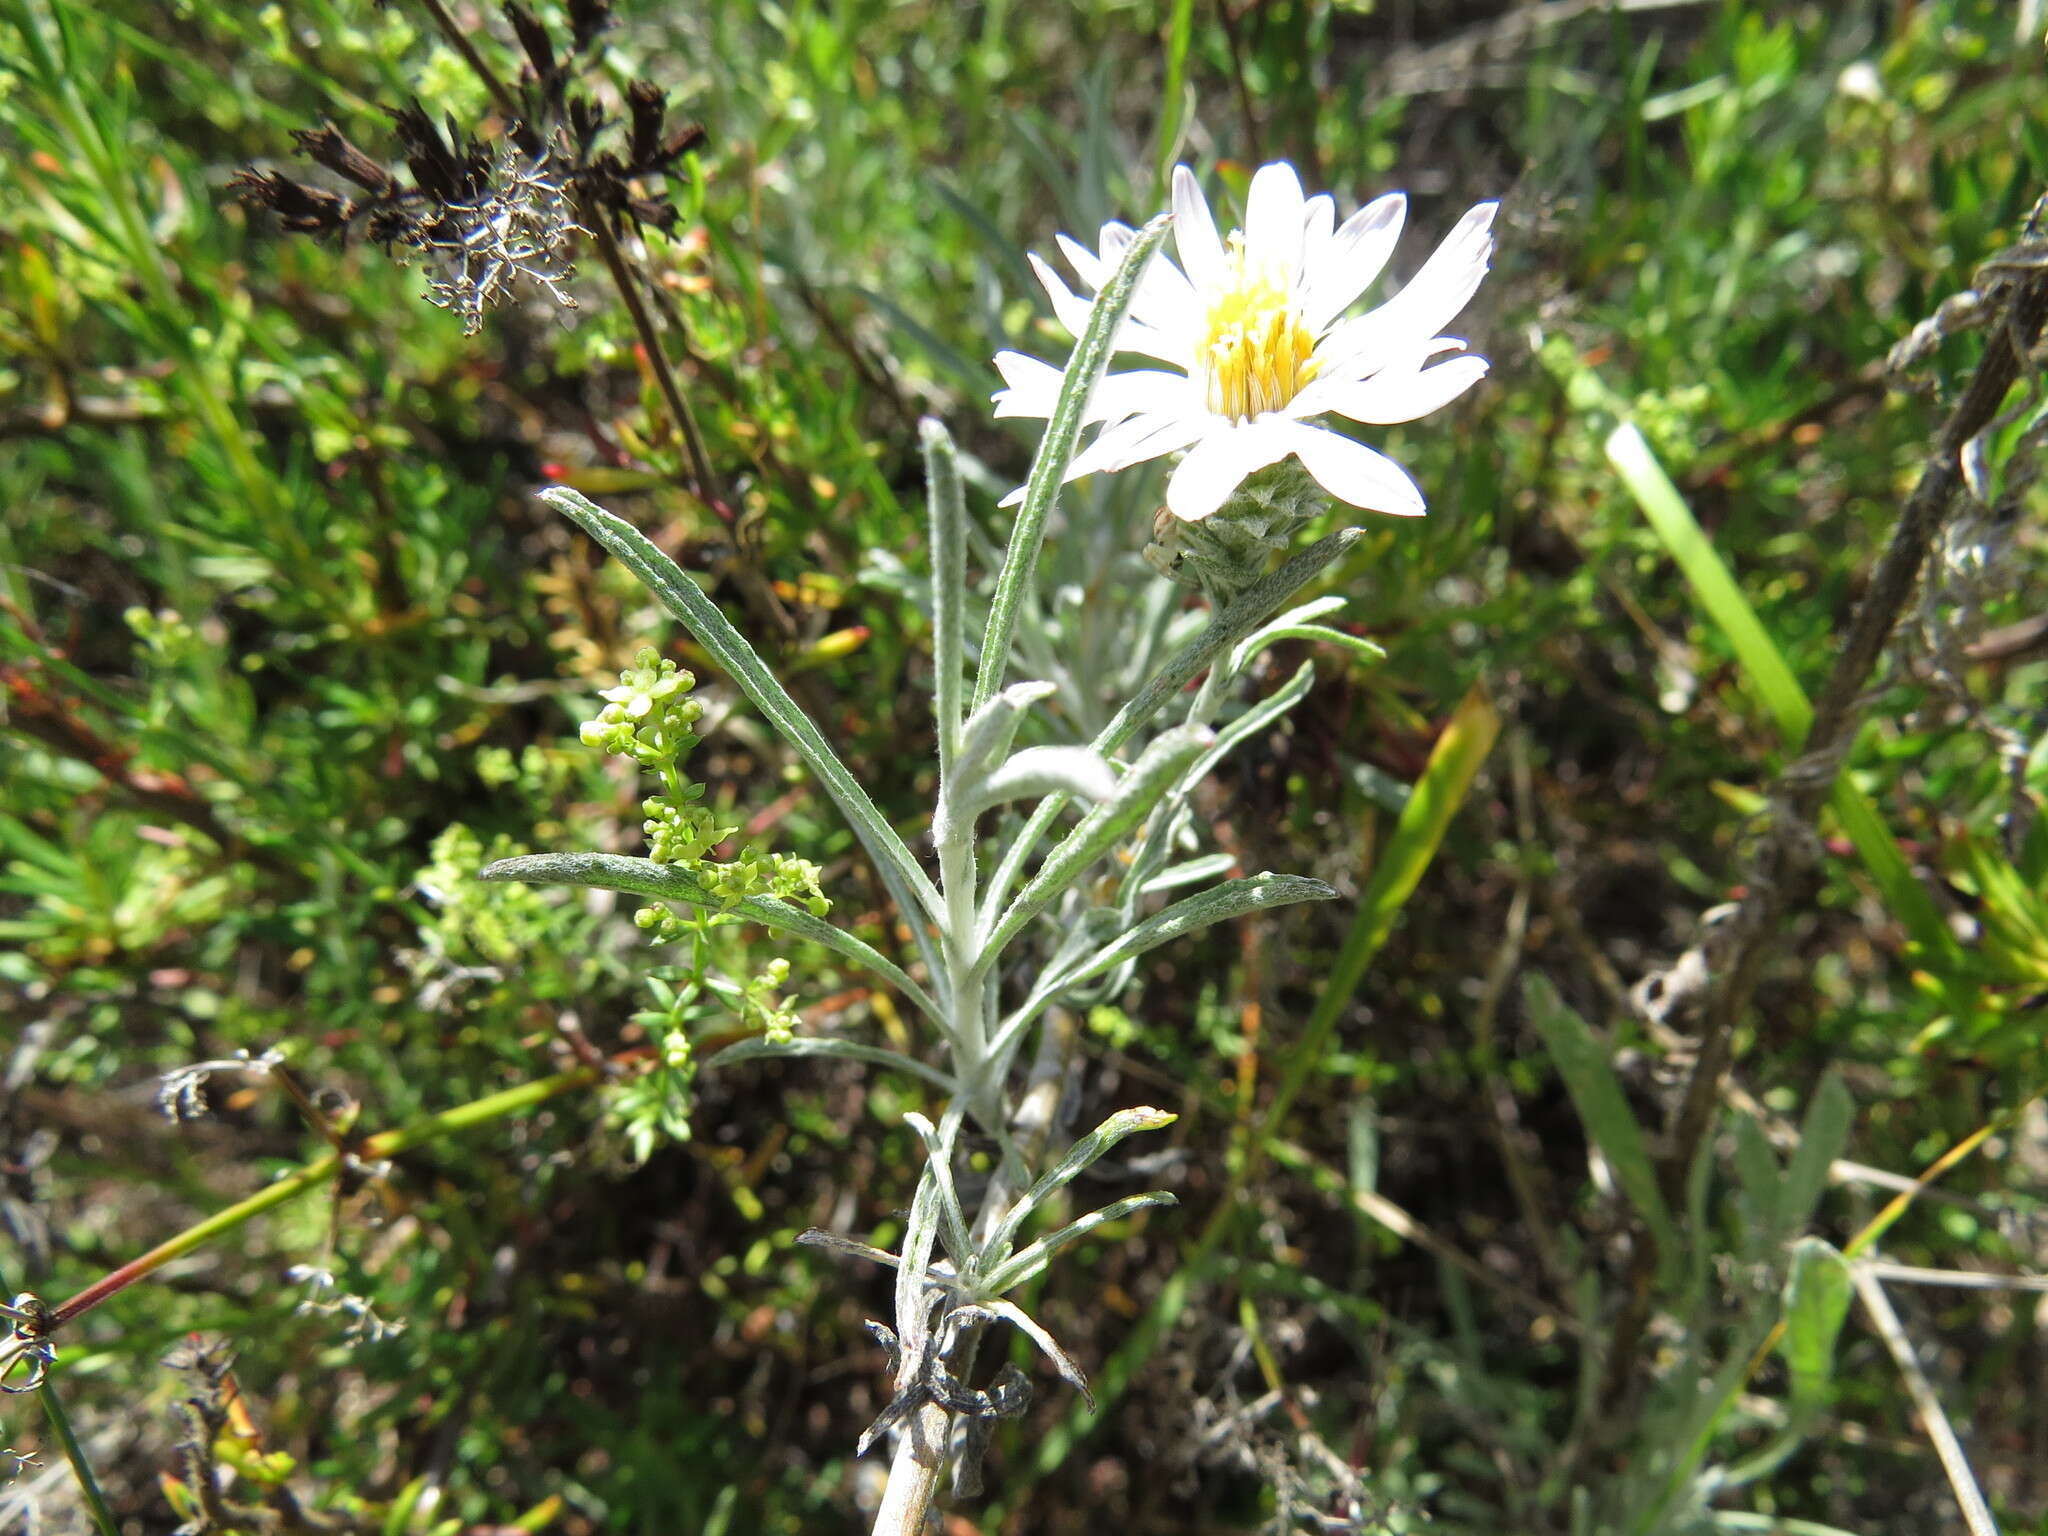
(1817, 1295)
(1762, 1183)
(665, 882)
(729, 648)
(1603, 1108)
(1822, 1136)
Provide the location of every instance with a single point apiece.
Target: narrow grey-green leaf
(1192, 872)
(1817, 1295)
(913, 1300)
(1090, 1148)
(1259, 717)
(1062, 1362)
(729, 648)
(1226, 628)
(939, 1152)
(1301, 613)
(1232, 624)
(1322, 634)
(760, 1048)
(1219, 904)
(991, 728)
(665, 882)
(1056, 450)
(1013, 1272)
(949, 583)
(1603, 1107)
(1079, 772)
(1156, 770)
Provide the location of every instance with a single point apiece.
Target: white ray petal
(1194, 232)
(1034, 390)
(1092, 270)
(1274, 218)
(1318, 224)
(1164, 300)
(1388, 398)
(1068, 307)
(1218, 463)
(1071, 310)
(1348, 470)
(1144, 436)
(1352, 259)
(1030, 388)
(1430, 301)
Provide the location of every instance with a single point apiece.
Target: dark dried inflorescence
(488, 215)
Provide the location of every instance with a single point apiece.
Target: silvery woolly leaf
(991, 728)
(1157, 769)
(1081, 772)
(1089, 1149)
(1008, 1272)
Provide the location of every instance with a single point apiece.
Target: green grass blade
(1453, 762)
(1711, 581)
(1597, 1095)
(1765, 669)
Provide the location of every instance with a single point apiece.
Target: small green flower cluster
(648, 717)
(762, 1003)
(499, 925)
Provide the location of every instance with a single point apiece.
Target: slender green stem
(313, 1175)
(1055, 452)
(67, 1441)
(88, 1485)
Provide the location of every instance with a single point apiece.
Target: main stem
(921, 1445)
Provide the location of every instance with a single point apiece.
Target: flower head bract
(1255, 332)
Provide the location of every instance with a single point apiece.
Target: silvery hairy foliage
(1059, 864)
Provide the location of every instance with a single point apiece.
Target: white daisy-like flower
(1255, 325)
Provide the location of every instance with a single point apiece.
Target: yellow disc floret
(1257, 353)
